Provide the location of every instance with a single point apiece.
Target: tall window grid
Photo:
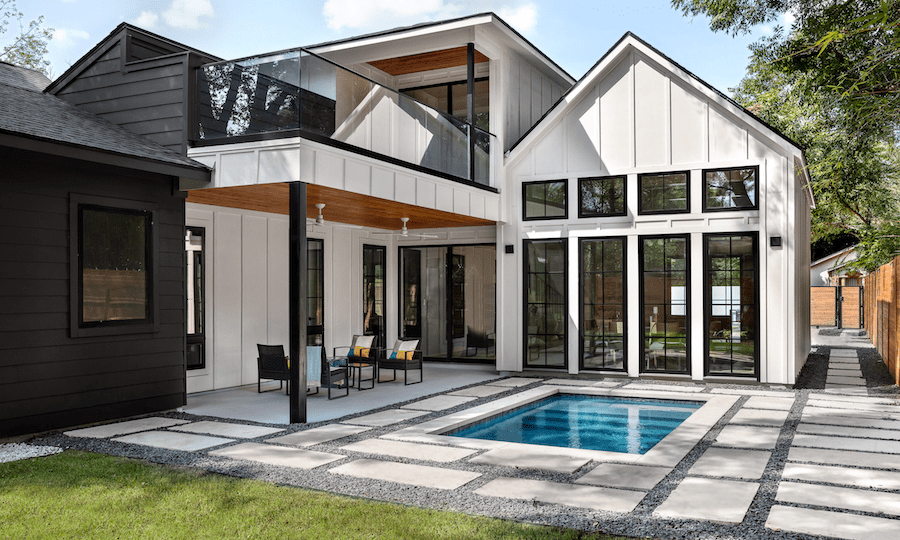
(665, 290)
(603, 281)
(315, 292)
(545, 303)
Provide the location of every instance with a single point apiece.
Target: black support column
(297, 318)
(470, 105)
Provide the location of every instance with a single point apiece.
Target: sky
(574, 34)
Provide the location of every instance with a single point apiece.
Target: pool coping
(667, 453)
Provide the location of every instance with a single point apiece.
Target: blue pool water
(631, 426)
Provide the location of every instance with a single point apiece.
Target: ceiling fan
(320, 219)
(404, 232)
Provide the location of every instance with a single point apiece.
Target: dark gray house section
(139, 81)
(59, 365)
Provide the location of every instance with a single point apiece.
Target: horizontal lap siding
(48, 379)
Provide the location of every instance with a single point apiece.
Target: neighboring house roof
(34, 120)
(20, 77)
(838, 259)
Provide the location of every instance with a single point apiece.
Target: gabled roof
(20, 77)
(34, 120)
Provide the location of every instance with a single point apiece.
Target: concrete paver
(752, 392)
(844, 457)
(319, 435)
(723, 501)
(124, 428)
(863, 478)
(662, 387)
(731, 463)
(277, 455)
(596, 498)
(846, 443)
(624, 476)
(761, 438)
(835, 524)
(385, 418)
(571, 382)
(405, 473)
(523, 457)
(408, 450)
(843, 392)
(514, 381)
(843, 352)
(848, 431)
(840, 497)
(760, 417)
(439, 403)
(861, 406)
(812, 415)
(605, 384)
(479, 391)
(840, 372)
(852, 381)
(858, 398)
(772, 403)
(170, 440)
(224, 429)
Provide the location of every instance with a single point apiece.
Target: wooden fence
(882, 313)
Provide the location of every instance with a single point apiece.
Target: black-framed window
(452, 99)
(546, 263)
(730, 189)
(374, 292)
(665, 303)
(664, 193)
(315, 291)
(113, 269)
(602, 196)
(195, 268)
(603, 294)
(544, 200)
(731, 297)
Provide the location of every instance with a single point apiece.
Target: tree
(29, 46)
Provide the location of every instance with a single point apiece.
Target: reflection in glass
(731, 188)
(374, 293)
(731, 293)
(663, 192)
(664, 274)
(315, 292)
(545, 311)
(544, 199)
(602, 196)
(603, 327)
(195, 269)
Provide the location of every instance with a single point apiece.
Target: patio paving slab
(522, 456)
(124, 428)
(277, 455)
(844, 457)
(407, 450)
(479, 391)
(750, 392)
(892, 410)
(845, 431)
(319, 435)
(825, 523)
(851, 381)
(761, 417)
(405, 473)
(731, 463)
(760, 438)
(605, 384)
(846, 443)
(844, 353)
(663, 387)
(840, 497)
(858, 398)
(171, 440)
(595, 498)
(625, 476)
(862, 478)
(814, 415)
(828, 392)
(837, 372)
(571, 382)
(723, 501)
(514, 381)
(386, 418)
(224, 429)
(438, 403)
(771, 403)
(843, 361)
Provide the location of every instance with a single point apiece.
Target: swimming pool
(611, 424)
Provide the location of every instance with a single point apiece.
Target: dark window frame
(582, 213)
(77, 328)
(382, 330)
(581, 274)
(731, 209)
(707, 304)
(198, 338)
(525, 272)
(687, 191)
(564, 182)
(687, 302)
(315, 329)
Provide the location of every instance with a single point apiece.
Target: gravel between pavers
(638, 523)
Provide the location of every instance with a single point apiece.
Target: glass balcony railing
(298, 90)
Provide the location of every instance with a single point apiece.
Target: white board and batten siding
(637, 112)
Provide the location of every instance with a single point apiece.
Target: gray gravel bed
(638, 523)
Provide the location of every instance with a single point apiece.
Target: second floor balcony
(300, 93)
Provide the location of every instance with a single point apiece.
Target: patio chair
(361, 353)
(271, 364)
(405, 356)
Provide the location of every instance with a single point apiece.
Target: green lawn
(82, 495)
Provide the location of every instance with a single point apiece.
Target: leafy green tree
(28, 46)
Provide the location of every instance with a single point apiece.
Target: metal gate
(836, 306)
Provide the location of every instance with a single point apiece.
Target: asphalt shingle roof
(28, 111)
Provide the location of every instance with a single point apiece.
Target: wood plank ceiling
(340, 206)
(415, 63)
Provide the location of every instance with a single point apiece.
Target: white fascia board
(374, 41)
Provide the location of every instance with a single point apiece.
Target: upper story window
(730, 189)
(601, 197)
(664, 193)
(451, 99)
(544, 200)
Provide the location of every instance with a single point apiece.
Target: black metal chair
(272, 365)
(335, 374)
(405, 356)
